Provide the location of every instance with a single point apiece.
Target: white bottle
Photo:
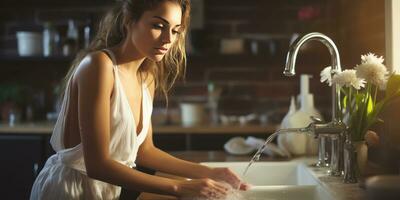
(301, 143)
(282, 139)
(213, 98)
(72, 31)
(11, 118)
(86, 35)
(49, 39)
(71, 43)
(292, 110)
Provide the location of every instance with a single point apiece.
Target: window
(392, 18)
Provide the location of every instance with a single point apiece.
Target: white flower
(374, 73)
(371, 58)
(372, 70)
(326, 75)
(382, 85)
(348, 78)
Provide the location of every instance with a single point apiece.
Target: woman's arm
(154, 158)
(151, 157)
(95, 82)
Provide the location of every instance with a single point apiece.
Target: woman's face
(156, 30)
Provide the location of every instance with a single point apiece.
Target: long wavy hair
(112, 30)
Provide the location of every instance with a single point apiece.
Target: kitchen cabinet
(170, 142)
(21, 160)
(198, 142)
(166, 137)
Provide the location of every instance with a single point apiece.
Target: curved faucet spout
(291, 62)
(298, 43)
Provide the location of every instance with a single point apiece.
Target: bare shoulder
(95, 68)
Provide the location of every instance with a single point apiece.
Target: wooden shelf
(17, 58)
(24, 4)
(46, 128)
(235, 60)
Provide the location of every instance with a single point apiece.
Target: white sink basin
(281, 193)
(270, 173)
(278, 180)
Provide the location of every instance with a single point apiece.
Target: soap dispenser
(306, 97)
(282, 140)
(300, 143)
(292, 110)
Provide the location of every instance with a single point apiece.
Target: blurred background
(237, 46)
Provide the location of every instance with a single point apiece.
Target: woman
(104, 127)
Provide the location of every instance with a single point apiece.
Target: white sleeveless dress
(64, 174)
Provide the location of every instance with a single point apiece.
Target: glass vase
(350, 163)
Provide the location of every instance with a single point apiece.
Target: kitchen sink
(278, 180)
(281, 193)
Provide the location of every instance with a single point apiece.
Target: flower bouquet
(360, 87)
(361, 106)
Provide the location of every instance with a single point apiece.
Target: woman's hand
(201, 188)
(226, 175)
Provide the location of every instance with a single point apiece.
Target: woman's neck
(128, 58)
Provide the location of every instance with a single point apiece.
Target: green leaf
(373, 116)
(359, 99)
(370, 105)
(393, 85)
(344, 103)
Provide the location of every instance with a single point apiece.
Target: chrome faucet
(336, 128)
(291, 62)
(318, 128)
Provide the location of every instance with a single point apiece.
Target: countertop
(338, 189)
(334, 185)
(46, 128)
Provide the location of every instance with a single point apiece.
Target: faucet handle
(317, 120)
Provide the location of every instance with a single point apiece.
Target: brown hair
(111, 31)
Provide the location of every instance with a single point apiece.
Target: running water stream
(260, 150)
(235, 194)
